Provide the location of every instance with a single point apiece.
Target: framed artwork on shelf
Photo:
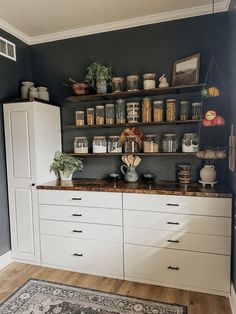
(186, 71)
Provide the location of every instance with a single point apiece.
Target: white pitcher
(208, 173)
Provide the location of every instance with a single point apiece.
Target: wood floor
(14, 275)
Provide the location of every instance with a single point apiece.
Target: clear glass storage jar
(90, 116)
(149, 81)
(184, 110)
(131, 144)
(79, 117)
(190, 143)
(170, 143)
(146, 110)
(196, 110)
(132, 82)
(100, 114)
(114, 144)
(120, 111)
(158, 111)
(133, 112)
(110, 113)
(150, 144)
(171, 110)
(117, 84)
(81, 145)
(99, 145)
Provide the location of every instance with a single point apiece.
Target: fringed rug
(42, 297)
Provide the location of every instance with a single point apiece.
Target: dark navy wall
(11, 74)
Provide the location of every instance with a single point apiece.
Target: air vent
(7, 49)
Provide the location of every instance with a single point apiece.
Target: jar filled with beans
(171, 110)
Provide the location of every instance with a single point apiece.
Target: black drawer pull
(78, 254)
(76, 199)
(173, 268)
(173, 241)
(78, 231)
(169, 204)
(172, 223)
(77, 215)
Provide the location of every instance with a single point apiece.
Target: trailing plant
(98, 71)
(66, 163)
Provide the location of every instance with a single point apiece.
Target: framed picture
(186, 71)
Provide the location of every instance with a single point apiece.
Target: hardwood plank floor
(14, 275)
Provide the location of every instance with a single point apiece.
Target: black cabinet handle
(76, 199)
(170, 204)
(172, 223)
(173, 241)
(77, 215)
(78, 254)
(173, 268)
(78, 231)
(33, 184)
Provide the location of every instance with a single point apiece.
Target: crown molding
(14, 32)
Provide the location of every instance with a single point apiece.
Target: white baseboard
(232, 299)
(5, 259)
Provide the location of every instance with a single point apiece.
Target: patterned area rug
(42, 297)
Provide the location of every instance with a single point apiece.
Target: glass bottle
(190, 143)
(90, 116)
(158, 111)
(150, 144)
(146, 110)
(114, 144)
(110, 114)
(117, 84)
(79, 116)
(99, 145)
(184, 110)
(81, 145)
(100, 113)
(120, 111)
(170, 143)
(196, 110)
(171, 110)
(132, 82)
(131, 144)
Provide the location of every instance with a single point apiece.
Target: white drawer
(81, 230)
(94, 257)
(178, 240)
(179, 204)
(81, 214)
(199, 270)
(176, 222)
(81, 198)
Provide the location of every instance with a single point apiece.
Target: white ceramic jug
(208, 173)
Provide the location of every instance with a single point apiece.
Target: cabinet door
(20, 155)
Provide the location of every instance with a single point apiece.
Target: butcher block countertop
(160, 187)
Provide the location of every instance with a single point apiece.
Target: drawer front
(175, 222)
(81, 230)
(81, 214)
(90, 256)
(81, 198)
(199, 270)
(178, 240)
(179, 204)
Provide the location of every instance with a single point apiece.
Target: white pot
(66, 176)
(208, 173)
(101, 86)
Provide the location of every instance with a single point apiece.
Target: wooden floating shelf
(138, 93)
(136, 154)
(133, 124)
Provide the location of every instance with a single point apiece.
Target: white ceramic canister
(25, 89)
(33, 93)
(43, 93)
(208, 173)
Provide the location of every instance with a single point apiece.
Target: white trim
(15, 32)
(5, 259)
(232, 300)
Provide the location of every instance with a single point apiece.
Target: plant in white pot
(65, 165)
(99, 76)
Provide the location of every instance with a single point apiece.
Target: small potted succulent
(65, 165)
(98, 76)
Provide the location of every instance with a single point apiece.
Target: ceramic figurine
(163, 81)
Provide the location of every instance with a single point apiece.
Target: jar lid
(109, 105)
(131, 136)
(170, 100)
(149, 76)
(117, 79)
(99, 107)
(196, 104)
(80, 138)
(184, 102)
(90, 108)
(170, 134)
(150, 136)
(101, 137)
(190, 134)
(114, 136)
(158, 102)
(130, 104)
(81, 111)
(132, 77)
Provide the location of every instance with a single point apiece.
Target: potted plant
(98, 76)
(65, 165)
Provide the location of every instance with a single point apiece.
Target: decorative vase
(101, 86)
(208, 173)
(25, 89)
(66, 175)
(43, 93)
(130, 173)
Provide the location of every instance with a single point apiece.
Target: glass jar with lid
(170, 143)
(79, 117)
(146, 110)
(196, 110)
(171, 110)
(110, 113)
(132, 82)
(184, 109)
(114, 144)
(150, 144)
(99, 145)
(149, 81)
(190, 143)
(131, 144)
(100, 114)
(90, 116)
(81, 145)
(158, 111)
(120, 111)
(117, 84)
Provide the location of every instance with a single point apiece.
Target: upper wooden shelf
(139, 93)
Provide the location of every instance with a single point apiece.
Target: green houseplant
(98, 76)
(65, 165)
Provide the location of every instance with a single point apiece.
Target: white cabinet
(32, 135)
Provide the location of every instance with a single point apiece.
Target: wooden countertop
(160, 187)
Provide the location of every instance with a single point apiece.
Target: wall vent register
(7, 49)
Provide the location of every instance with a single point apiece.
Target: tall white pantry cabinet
(32, 135)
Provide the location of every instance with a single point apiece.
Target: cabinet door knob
(33, 184)
(170, 204)
(78, 231)
(76, 199)
(78, 254)
(172, 223)
(173, 268)
(173, 241)
(77, 215)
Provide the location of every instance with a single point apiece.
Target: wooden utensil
(137, 161)
(131, 160)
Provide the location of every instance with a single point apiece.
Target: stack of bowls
(133, 112)
(184, 173)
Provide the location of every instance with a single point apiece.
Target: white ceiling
(47, 20)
